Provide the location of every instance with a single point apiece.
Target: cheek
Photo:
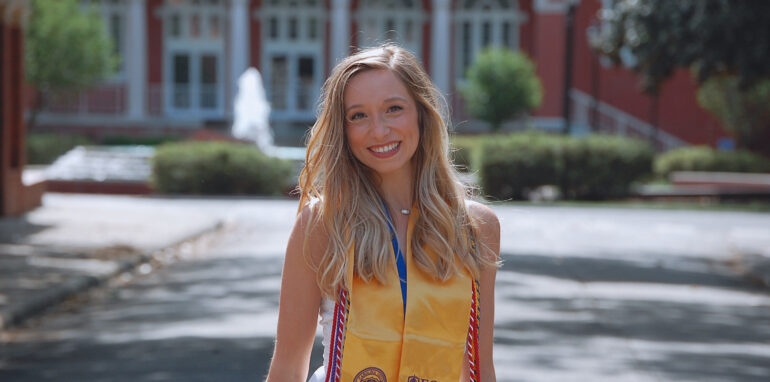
(355, 138)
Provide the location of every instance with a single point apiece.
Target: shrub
(44, 148)
(466, 151)
(218, 168)
(511, 166)
(705, 158)
(502, 85)
(603, 166)
(594, 167)
(742, 111)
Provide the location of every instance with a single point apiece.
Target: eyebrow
(389, 99)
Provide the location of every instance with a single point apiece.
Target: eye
(395, 108)
(356, 116)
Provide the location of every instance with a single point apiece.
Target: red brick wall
(526, 29)
(255, 35)
(15, 198)
(678, 111)
(154, 42)
(548, 52)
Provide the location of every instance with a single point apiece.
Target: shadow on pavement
(691, 271)
(672, 323)
(207, 320)
(15, 229)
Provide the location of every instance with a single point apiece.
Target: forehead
(374, 86)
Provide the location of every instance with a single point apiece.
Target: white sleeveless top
(326, 318)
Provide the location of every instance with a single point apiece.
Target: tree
(726, 44)
(713, 37)
(502, 85)
(745, 112)
(66, 49)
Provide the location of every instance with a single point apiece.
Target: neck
(396, 189)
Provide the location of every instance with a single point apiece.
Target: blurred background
(149, 149)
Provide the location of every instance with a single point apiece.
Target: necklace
(405, 211)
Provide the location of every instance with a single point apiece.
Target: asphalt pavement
(187, 290)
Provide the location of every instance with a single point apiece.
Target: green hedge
(219, 168)
(705, 158)
(594, 167)
(508, 166)
(466, 150)
(602, 166)
(44, 148)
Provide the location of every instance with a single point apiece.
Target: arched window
(293, 35)
(398, 21)
(483, 23)
(193, 45)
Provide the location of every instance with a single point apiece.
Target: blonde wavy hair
(344, 196)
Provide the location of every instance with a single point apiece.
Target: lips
(386, 150)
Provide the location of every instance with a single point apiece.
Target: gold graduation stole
(381, 345)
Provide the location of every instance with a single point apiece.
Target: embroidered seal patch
(370, 374)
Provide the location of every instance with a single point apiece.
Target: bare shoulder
(488, 226)
(309, 234)
(483, 214)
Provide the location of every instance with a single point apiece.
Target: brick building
(181, 59)
(16, 196)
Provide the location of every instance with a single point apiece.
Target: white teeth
(387, 148)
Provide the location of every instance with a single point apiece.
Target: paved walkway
(584, 295)
(73, 242)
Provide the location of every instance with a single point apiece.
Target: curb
(16, 315)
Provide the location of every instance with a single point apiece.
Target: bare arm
(489, 240)
(299, 304)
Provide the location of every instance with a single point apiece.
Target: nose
(380, 128)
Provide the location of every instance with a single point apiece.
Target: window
(195, 26)
(305, 75)
(208, 98)
(175, 26)
(214, 32)
(274, 28)
(193, 56)
(293, 28)
(278, 81)
(312, 29)
(292, 57)
(398, 21)
(181, 81)
(483, 23)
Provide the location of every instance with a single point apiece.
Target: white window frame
(195, 48)
(482, 12)
(372, 16)
(293, 49)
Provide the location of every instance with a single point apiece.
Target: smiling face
(381, 122)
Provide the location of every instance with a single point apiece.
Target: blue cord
(400, 263)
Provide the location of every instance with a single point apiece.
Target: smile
(385, 150)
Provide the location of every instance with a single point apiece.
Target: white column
(340, 38)
(239, 41)
(440, 49)
(136, 59)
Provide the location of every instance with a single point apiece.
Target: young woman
(386, 248)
